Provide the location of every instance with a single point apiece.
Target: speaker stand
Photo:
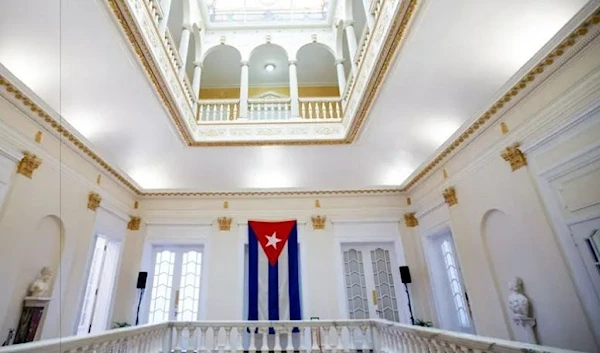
(412, 319)
(137, 316)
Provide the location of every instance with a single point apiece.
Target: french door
(371, 278)
(99, 288)
(586, 236)
(175, 284)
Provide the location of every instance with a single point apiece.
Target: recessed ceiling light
(270, 67)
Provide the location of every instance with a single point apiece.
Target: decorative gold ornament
(225, 204)
(410, 220)
(445, 173)
(136, 204)
(318, 222)
(224, 223)
(514, 156)
(38, 137)
(408, 201)
(134, 223)
(94, 200)
(317, 204)
(450, 196)
(503, 128)
(28, 164)
(99, 179)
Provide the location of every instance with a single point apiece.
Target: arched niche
(317, 76)
(221, 73)
(259, 78)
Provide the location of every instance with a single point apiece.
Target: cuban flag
(273, 271)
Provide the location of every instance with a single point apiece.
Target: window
(221, 11)
(458, 295)
(176, 279)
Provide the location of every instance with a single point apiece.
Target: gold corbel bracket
(94, 200)
(318, 222)
(410, 220)
(224, 223)
(28, 164)
(450, 196)
(514, 156)
(134, 223)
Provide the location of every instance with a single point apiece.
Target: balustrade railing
(277, 336)
(155, 10)
(218, 110)
(362, 46)
(172, 50)
(273, 109)
(321, 108)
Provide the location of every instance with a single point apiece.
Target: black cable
(137, 317)
(412, 319)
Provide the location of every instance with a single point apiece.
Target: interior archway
(317, 75)
(221, 73)
(260, 79)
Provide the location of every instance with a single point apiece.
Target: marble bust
(40, 287)
(517, 300)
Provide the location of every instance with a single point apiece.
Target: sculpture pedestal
(32, 318)
(528, 326)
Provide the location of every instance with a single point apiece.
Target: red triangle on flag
(272, 236)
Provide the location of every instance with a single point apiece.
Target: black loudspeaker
(405, 274)
(141, 282)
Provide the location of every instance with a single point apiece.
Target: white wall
(509, 224)
(44, 221)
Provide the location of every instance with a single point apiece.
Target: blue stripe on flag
(274, 291)
(252, 275)
(294, 275)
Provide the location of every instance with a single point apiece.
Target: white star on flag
(272, 240)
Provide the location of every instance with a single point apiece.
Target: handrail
(308, 335)
(269, 100)
(319, 99)
(219, 101)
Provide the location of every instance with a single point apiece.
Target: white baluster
(317, 110)
(310, 110)
(265, 337)
(337, 110)
(215, 342)
(252, 347)
(200, 112)
(330, 104)
(228, 339)
(251, 111)
(327, 331)
(178, 338)
(280, 110)
(235, 114)
(289, 347)
(303, 106)
(228, 111)
(221, 112)
(365, 338)
(315, 342)
(202, 340)
(278, 331)
(324, 110)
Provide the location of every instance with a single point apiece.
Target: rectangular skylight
(256, 11)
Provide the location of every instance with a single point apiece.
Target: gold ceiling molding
(139, 46)
(36, 109)
(527, 79)
(570, 41)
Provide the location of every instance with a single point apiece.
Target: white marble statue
(521, 308)
(40, 287)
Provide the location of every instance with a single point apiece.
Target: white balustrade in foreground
(277, 336)
(321, 108)
(218, 110)
(272, 109)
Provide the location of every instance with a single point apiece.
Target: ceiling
(446, 72)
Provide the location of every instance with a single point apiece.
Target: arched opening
(268, 71)
(359, 16)
(221, 73)
(316, 71)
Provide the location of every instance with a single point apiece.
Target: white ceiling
(455, 59)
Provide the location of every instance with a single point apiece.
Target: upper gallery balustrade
(323, 70)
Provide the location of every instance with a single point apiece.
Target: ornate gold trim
(225, 205)
(527, 79)
(94, 200)
(503, 128)
(28, 164)
(408, 201)
(136, 205)
(224, 223)
(571, 40)
(410, 220)
(134, 223)
(514, 156)
(450, 196)
(318, 222)
(317, 204)
(38, 137)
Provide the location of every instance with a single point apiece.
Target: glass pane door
(586, 236)
(370, 281)
(175, 284)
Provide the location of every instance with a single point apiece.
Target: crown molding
(566, 44)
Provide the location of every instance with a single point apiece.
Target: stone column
(351, 37)
(196, 81)
(294, 106)
(244, 90)
(184, 44)
(165, 6)
(341, 75)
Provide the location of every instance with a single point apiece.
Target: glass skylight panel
(256, 11)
